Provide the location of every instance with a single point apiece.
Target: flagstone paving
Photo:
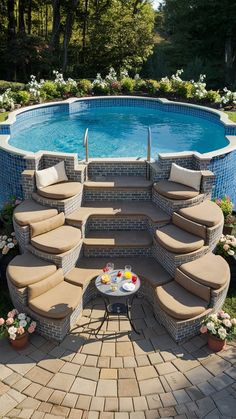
(119, 375)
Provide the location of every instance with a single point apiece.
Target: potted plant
(17, 327)
(220, 328)
(226, 205)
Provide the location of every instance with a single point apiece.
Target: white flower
(4, 237)
(21, 316)
(222, 333)
(9, 240)
(12, 336)
(12, 330)
(213, 317)
(210, 326)
(233, 321)
(23, 323)
(230, 252)
(10, 245)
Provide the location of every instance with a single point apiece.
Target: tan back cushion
(187, 177)
(189, 226)
(45, 285)
(192, 286)
(54, 174)
(45, 226)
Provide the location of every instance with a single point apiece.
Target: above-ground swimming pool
(193, 136)
(118, 131)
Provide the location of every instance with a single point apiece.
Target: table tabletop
(120, 281)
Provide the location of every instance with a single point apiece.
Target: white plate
(128, 286)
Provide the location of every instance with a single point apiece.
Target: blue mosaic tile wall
(224, 167)
(11, 166)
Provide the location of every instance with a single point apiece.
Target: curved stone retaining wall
(13, 161)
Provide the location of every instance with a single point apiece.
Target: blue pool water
(118, 132)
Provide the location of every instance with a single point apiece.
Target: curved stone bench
(172, 196)
(185, 239)
(29, 212)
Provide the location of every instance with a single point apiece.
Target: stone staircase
(118, 215)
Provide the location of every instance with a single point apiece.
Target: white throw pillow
(54, 174)
(186, 177)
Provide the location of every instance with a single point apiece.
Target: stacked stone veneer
(180, 330)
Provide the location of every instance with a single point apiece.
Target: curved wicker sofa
(171, 269)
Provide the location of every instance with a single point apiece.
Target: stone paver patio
(120, 375)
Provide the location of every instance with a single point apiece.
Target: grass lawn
(232, 116)
(3, 116)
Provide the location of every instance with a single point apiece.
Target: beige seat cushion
(31, 212)
(178, 302)
(173, 190)
(206, 213)
(35, 290)
(61, 190)
(178, 241)
(45, 226)
(211, 270)
(27, 269)
(58, 302)
(200, 290)
(57, 241)
(82, 276)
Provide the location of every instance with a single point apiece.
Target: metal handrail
(149, 144)
(85, 144)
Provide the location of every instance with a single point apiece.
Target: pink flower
(12, 313)
(225, 316)
(31, 329)
(9, 321)
(227, 323)
(203, 329)
(226, 247)
(2, 321)
(33, 324)
(221, 313)
(20, 330)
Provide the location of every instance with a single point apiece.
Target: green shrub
(127, 84)
(213, 96)
(22, 97)
(152, 86)
(165, 86)
(15, 87)
(185, 89)
(101, 89)
(140, 85)
(50, 89)
(85, 86)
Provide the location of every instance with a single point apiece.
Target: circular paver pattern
(120, 375)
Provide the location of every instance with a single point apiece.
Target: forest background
(83, 37)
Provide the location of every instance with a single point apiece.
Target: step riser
(95, 195)
(117, 223)
(98, 251)
(96, 169)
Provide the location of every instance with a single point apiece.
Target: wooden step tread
(118, 238)
(118, 208)
(147, 268)
(119, 182)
